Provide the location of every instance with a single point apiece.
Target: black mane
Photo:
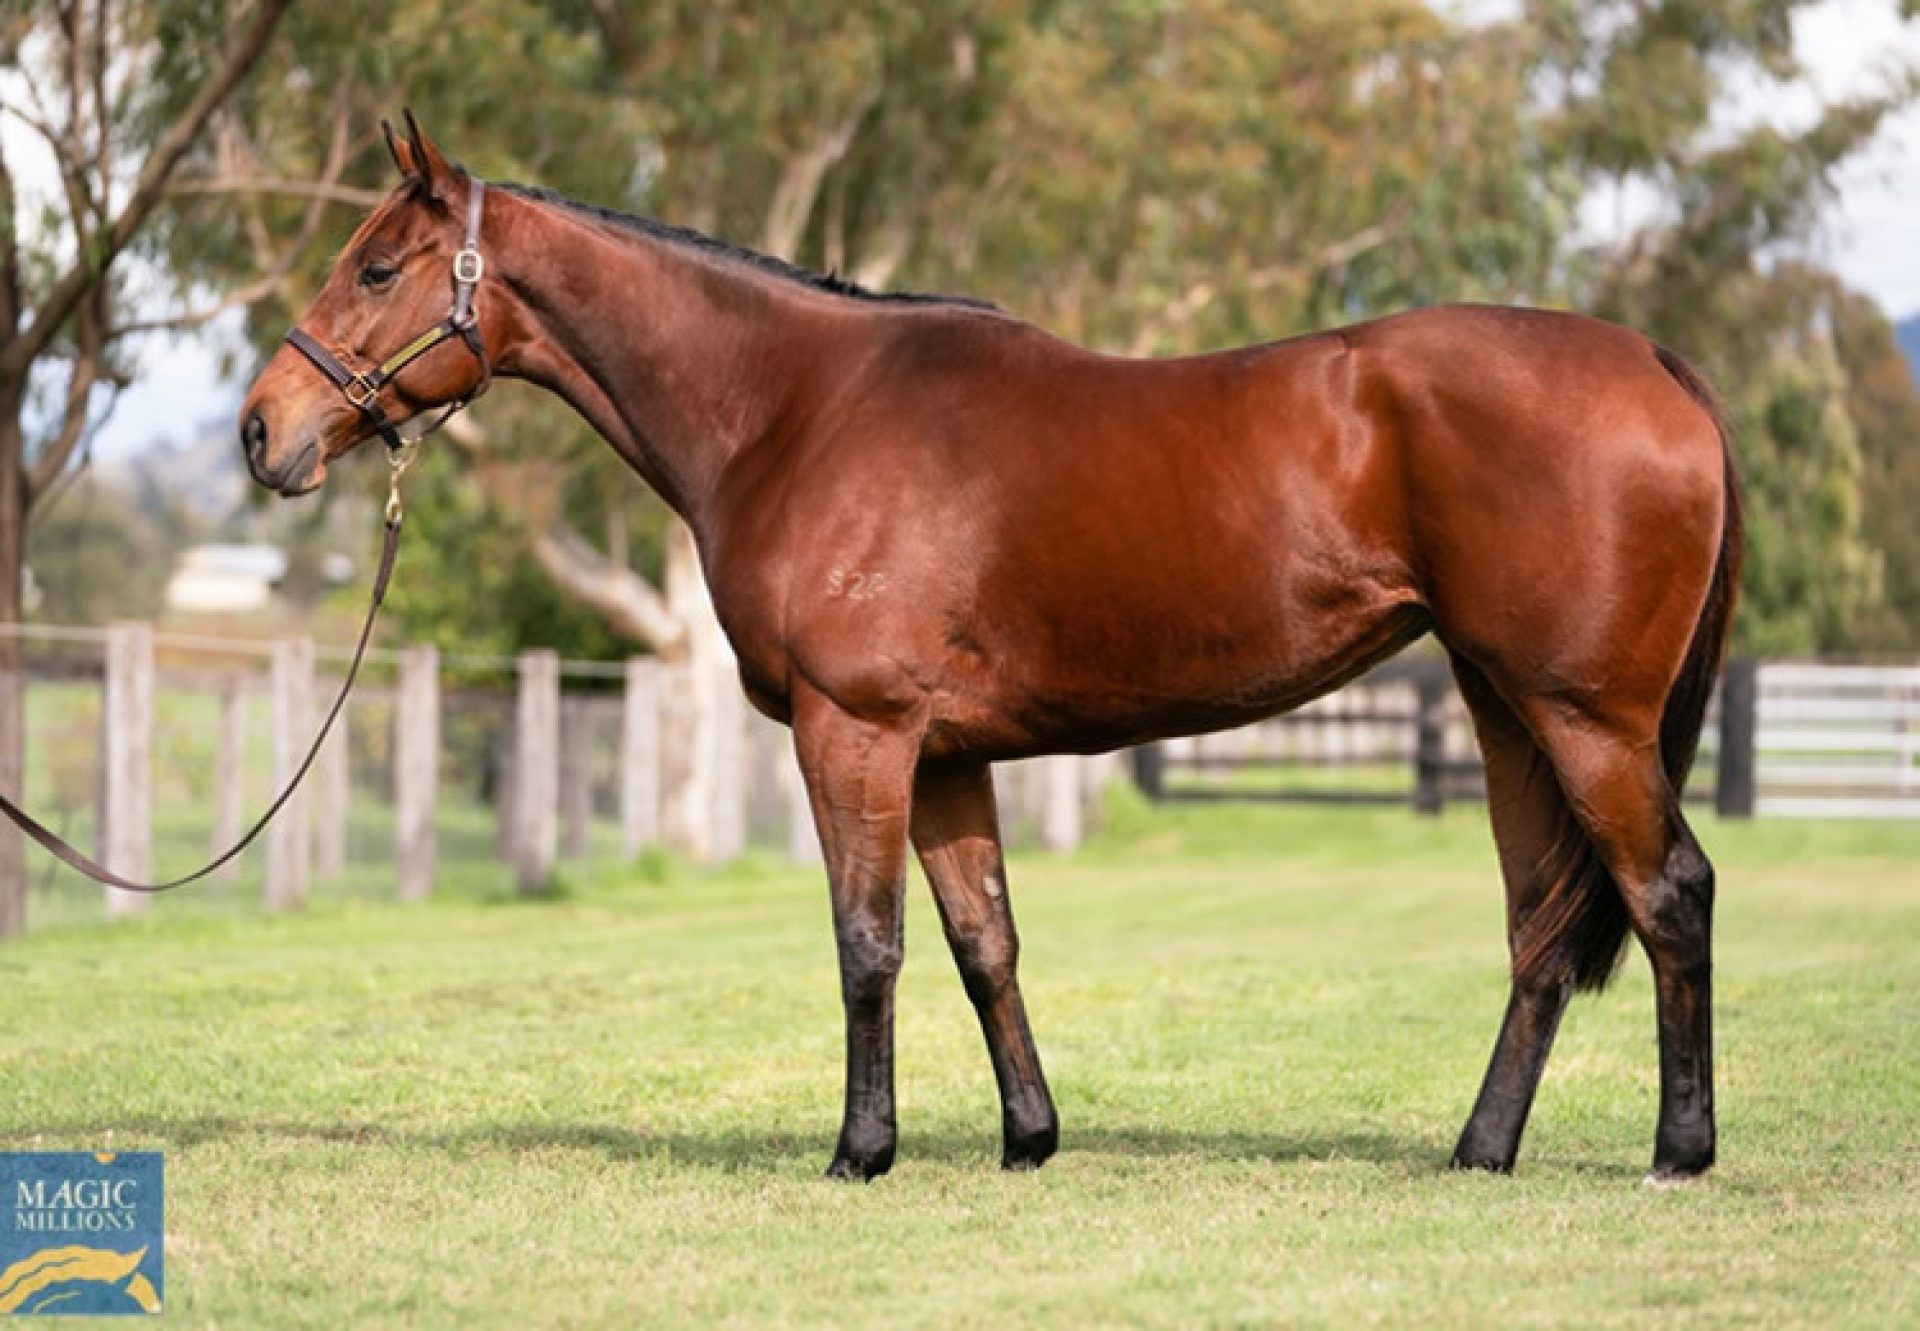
(702, 243)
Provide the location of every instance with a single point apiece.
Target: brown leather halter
(362, 388)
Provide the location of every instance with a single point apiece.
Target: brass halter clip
(398, 460)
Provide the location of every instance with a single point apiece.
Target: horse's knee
(988, 960)
(869, 966)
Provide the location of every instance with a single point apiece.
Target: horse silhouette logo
(81, 1234)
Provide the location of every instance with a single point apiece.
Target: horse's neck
(677, 359)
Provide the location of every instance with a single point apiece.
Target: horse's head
(397, 281)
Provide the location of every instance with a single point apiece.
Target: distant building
(226, 579)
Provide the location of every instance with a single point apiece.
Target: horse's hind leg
(1530, 817)
(1612, 771)
(956, 831)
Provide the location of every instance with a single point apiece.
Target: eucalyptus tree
(113, 99)
(1149, 178)
(1640, 110)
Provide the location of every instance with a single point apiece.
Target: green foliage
(1884, 405)
(1811, 572)
(464, 585)
(97, 555)
(1159, 179)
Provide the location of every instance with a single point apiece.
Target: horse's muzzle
(295, 476)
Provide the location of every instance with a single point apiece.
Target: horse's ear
(434, 170)
(399, 148)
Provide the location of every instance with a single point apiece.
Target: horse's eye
(375, 274)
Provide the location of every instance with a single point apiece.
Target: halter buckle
(360, 390)
(468, 266)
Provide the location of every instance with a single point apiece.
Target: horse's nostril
(254, 436)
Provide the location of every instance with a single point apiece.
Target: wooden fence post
(803, 839)
(764, 778)
(290, 838)
(1060, 821)
(506, 757)
(576, 775)
(331, 800)
(536, 771)
(640, 758)
(1430, 741)
(129, 762)
(416, 772)
(1150, 769)
(230, 773)
(729, 811)
(1736, 790)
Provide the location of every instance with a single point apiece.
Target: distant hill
(1908, 332)
(204, 477)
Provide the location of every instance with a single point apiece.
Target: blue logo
(81, 1233)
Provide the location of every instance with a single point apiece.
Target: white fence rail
(1837, 741)
(1783, 739)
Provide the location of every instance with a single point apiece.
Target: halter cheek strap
(362, 388)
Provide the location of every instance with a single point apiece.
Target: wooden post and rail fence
(575, 746)
(1783, 739)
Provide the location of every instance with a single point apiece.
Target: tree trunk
(13, 679)
(692, 704)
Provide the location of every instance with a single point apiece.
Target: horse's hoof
(860, 1168)
(1484, 1164)
(1473, 1155)
(1676, 1159)
(1029, 1150)
(1664, 1177)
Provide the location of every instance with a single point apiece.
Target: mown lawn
(1263, 1026)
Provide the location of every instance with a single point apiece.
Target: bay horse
(938, 537)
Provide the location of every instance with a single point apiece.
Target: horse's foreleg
(956, 831)
(860, 782)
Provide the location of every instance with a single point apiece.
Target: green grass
(1263, 1027)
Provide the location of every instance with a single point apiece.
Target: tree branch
(149, 187)
(275, 268)
(629, 604)
(9, 253)
(799, 187)
(1188, 305)
(885, 250)
(321, 190)
(53, 457)
(240, 297)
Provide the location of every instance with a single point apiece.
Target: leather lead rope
(65, 852)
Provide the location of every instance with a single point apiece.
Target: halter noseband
(362, 388)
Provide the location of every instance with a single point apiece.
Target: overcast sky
(1874, 241)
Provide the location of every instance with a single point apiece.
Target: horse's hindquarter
(1566, 495)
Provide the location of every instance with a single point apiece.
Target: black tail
(1580, 926)
(1687, 704)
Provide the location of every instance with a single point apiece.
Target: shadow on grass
(734, 1150)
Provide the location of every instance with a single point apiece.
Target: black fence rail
(1402, 735)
